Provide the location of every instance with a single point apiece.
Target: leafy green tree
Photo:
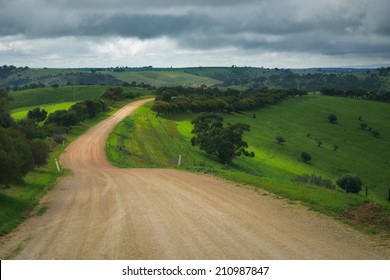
(306, 157)
(375, 133)
(224, 142)
(114, 94)
(40, 151)
(5, 117)
(350, 183)
(37, 114)
(15, 156)
(280, 139)
(63, 118)
(332, 118)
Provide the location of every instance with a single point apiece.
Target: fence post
(58, 165)
(179, 162)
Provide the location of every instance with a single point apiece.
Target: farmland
(302, 121)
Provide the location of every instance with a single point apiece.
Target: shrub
(375, 133)
(306, 157)
(280, 139)
(313, 179)
(350, 183)
(332, 118)
(363, 125)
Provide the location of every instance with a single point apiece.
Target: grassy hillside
(35, 97)
(146, 140)
(164, 78)
(21, 113)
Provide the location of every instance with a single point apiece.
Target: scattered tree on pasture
(306, 157)
(350, 183)
(224, 142)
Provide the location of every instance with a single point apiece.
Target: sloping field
(104, 212)
(164, 78)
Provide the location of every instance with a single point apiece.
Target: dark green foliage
(15, 156)
(29, 128)
(40, 151)
(225, 143)
(280, 139)
(306, 157)
(113, 94)
(335, 147)
(63, 118)
(319, 142)
(375, 133)
(350, 183)
(196, 100)
(5, 118)
(313, 179)
(37, 115)
(332, 118)
(363, 125)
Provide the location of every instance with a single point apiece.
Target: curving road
(104, 212)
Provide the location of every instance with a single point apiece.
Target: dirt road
(104, 212)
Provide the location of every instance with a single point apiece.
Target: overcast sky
(178, 33)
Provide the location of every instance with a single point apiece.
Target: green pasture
(147, 140)
(164, 78)
(21, 113)
(35, 97)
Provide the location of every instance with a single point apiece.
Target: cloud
(330, 28)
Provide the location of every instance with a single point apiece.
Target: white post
(179, 162)
(58, 165)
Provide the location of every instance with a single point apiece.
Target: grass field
(164, 78)
(21, 113)
(35, 97)
(146, 140)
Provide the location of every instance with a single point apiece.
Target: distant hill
(313, 79)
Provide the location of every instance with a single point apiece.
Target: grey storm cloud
(330, 27)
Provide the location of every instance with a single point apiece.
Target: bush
(280, 139)
(306, 157)
(313, 179)
(40, 151)
(375, 133)
(350, 183)
(332, 118)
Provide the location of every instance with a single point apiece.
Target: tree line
(196, 100)
(383, 96)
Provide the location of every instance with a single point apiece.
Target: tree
(280, 139)
(40, 151)
(306, 157)
(37, 115)
(350, 183)
(363, 125)
(15, 156)
(224, 142)
(63, 118)
(332, 118)
(375, 133)
(114, 94)
(5, 118)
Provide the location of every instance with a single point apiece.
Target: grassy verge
(146, 140)
(17, 201)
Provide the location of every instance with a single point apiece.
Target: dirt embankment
(104, 212)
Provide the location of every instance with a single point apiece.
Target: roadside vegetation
(277, 165)
(30, 145)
